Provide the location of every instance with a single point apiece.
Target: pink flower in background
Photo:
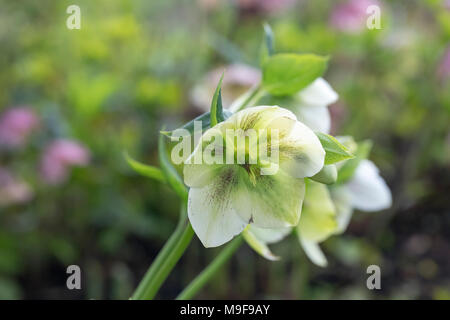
(16, 124)
(443, 70)
(238, 78)
(12, 190)
(59, 156)
(446, 4)
(351, 16)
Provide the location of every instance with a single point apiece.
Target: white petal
(269, 235)
(318, 93)
(259, 246)
(368, 190)
(301, 153)
(315, 117)
(314, 252)
(211, 213)
(344, 210)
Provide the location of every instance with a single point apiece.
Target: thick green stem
(165, 261)
(210, 270)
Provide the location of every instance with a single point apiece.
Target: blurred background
(71, 101)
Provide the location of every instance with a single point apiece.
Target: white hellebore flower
(365, 191)
(311, 105)
(265, 191)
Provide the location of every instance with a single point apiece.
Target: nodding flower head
(250, 169)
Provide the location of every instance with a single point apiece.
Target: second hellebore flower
(265, 191)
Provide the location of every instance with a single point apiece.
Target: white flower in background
(311, 105)
(225, 198)
(365, 191)
(327, 211)
(240, 78)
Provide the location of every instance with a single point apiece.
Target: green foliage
(287, 73)
(335, 151)
(145, 170)
(216, 111)
(170, 173)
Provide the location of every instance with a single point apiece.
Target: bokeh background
(71, 101)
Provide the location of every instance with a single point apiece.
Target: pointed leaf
(216, 111)
(269, 39)
(145, 170)
(335, 151)
(287, 73)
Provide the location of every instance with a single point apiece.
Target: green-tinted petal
(318, 219)
(270, 201)
(269, 235)
(259, 246)
(342, 202)
(211, 211)
(301, 153)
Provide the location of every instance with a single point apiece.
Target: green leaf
(205, 119)
(348, 169)
(145, 170)
(216, 111)
(335, 151)
(287, 73)
(170, 173)
(269, 39)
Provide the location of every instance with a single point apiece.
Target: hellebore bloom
(265, 190)
(59, 156)
(365, 191)
(311, 105)
(240, 78)
(351, 16)
(16, 124)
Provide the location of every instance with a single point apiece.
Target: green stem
(165, 261)
(250, 97)
(210, 270)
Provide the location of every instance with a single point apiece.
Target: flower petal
(269, 235)
(318, 220)
(260, 117)
(270, 201)
(301, 153)
(259, 246)
(314, 252)
(315, 117)
(211, 212)
(319, 93)
(344, 210)
(368, 190)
